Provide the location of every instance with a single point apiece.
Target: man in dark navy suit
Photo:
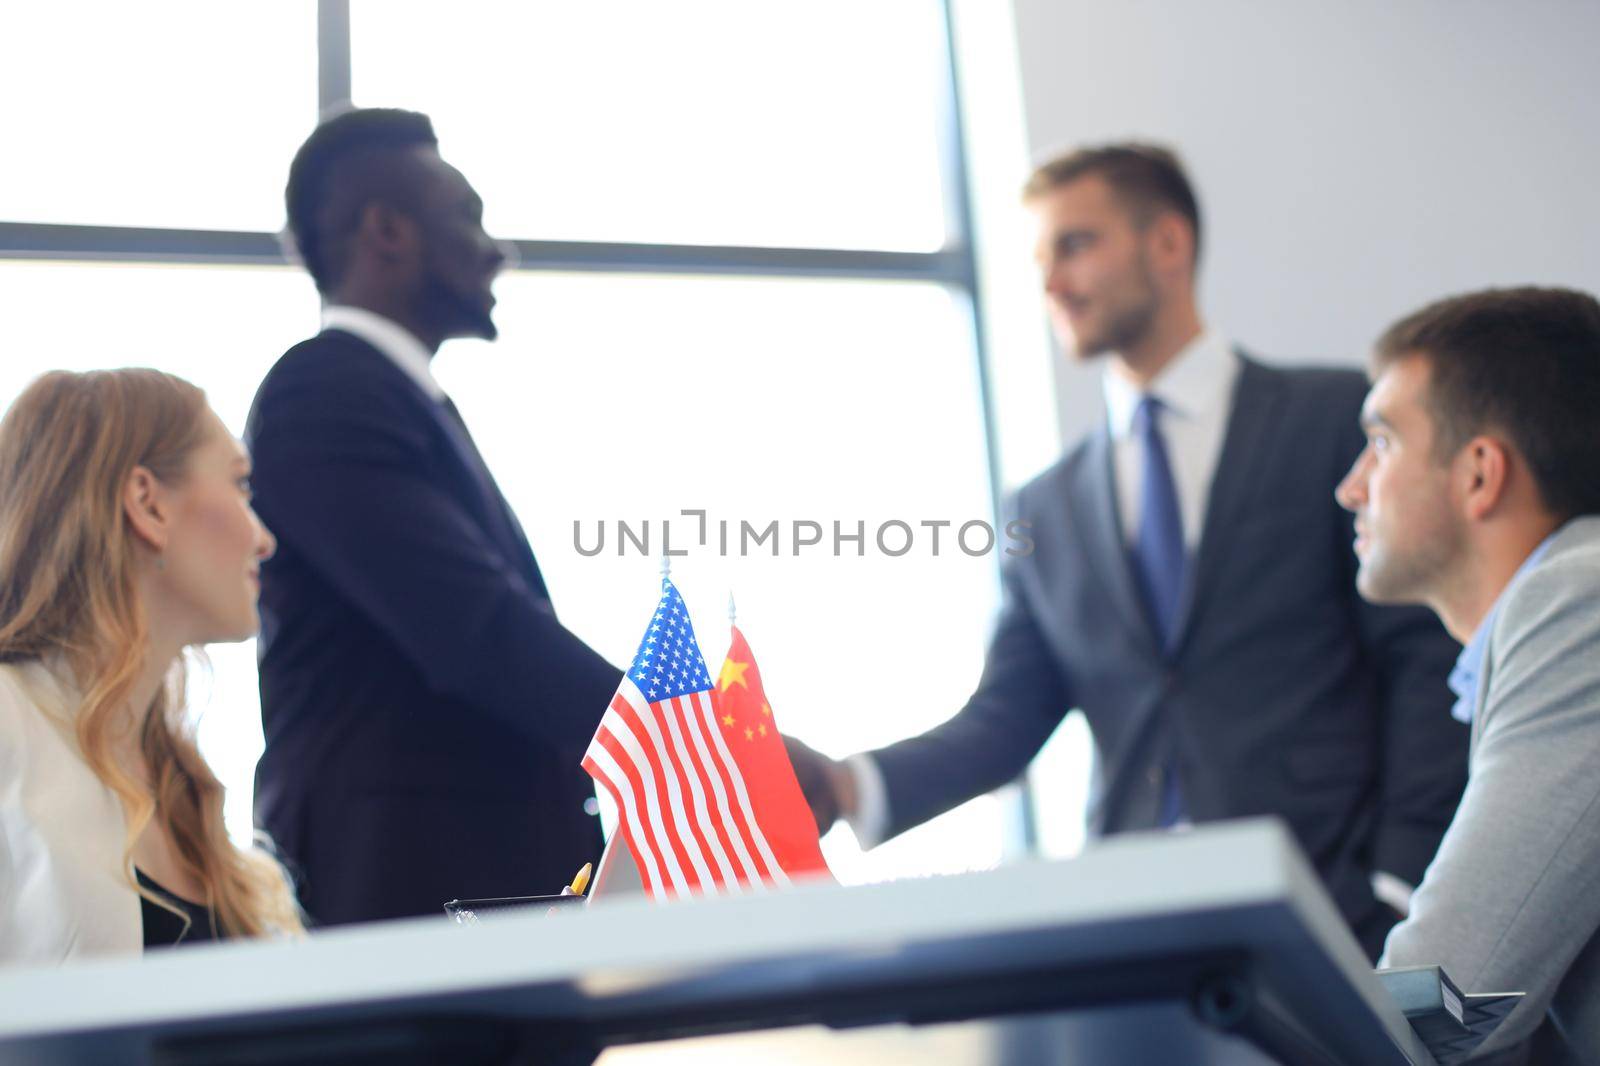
(1192, 586)
(424, 710)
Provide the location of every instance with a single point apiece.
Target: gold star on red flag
(763, 762)
(732, 674)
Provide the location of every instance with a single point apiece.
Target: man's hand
(827, 784)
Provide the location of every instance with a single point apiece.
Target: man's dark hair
(1524, 363)
(348, 161)
(1147, 177)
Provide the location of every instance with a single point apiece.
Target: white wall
(1354, 159)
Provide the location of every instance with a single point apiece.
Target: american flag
(683, 802)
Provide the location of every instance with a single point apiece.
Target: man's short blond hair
(1148, 178)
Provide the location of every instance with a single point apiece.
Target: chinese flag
(752, 737)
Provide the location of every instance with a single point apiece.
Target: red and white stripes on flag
(683, 801)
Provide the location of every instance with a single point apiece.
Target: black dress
(162, 928)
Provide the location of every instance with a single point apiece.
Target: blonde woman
(126, 536)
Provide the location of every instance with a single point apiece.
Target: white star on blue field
(668, 663)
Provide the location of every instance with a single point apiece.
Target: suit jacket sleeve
(1515, 891)
(340, 460)
(1021, 698)
(1422, 762)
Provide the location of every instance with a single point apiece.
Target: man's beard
(1128, 325)
(457, 314)
(1410, 577)
(1125, 330)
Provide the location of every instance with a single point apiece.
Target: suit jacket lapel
(1256, 398)
(1094, 511)
(494, 500)
(477, 471)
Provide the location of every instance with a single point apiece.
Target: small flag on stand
(686, 801)
(752, 735)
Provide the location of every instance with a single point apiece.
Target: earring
(161, 562)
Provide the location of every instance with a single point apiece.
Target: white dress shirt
(397, 343)
(1196, 393)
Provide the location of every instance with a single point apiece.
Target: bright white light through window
(183, 114)
(634, 398)
(696, 122)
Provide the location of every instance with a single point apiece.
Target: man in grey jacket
(1478, 494)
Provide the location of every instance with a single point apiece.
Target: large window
(744, 237)
(717, 122)
(179, 114)
(757, 400)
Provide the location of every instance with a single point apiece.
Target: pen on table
(579, 882)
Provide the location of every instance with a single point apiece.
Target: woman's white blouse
(63, 890)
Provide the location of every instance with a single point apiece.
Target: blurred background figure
(424, 710)
(1191, 586)
(126, 537)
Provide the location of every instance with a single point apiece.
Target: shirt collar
(1469, 664)
(1194, 385)
(396, 342)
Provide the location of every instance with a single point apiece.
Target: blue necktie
(1158, 557)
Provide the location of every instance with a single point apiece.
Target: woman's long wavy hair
(69, 597)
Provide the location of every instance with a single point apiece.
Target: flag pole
(733, 612)
(666, 566)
